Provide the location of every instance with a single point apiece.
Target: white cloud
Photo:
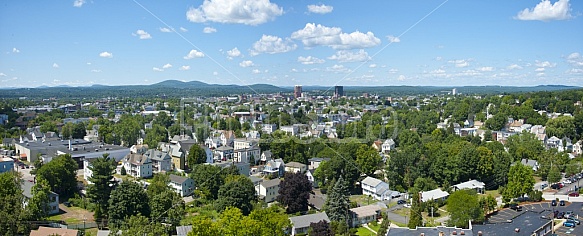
(349, 56)
(318, 35)
(246, 64)
(486, 68)
(249, 12)
(95, 71)
(372, 66)
(194, 54)
(545, 64)
(165, 30)
(272, 44)
(106, 54)
(55, 65)
(460, 63)
(78, 3)
(540, 74)
(393, 39)
(2, 74)
(338, 68)
(514, 67)
(256, 71)
(15, 50)
(167, 66)
(575, 59)
(183, 29)
(437, 72)
(320, 9)
(309, 60)
(233, 53)
(215, 73)
(209, 30)
(393, 71)
(401, 78)
(575, 71)
(540, 69)
(143, 34)
(184, 68)
(157, 69)
(547, 11)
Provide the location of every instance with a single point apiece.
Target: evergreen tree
(12, 212)
(337, 203)
(294, 192)
(415, 218)
(103, 183)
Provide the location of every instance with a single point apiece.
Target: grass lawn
(362, 231)
(74, 215)
(494, 193)
(375, 228)
(403, 211)
(362, 200)
(68, 220)
(91, 232)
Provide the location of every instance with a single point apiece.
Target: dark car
(67, 204)
(569, 224)
(554, 203)
(574, 194)
(561, 215)
(562, 203)
(401, 202)
(516, 207)
(543, 186)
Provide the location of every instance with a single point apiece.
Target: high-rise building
(297, 91)
(338, 91)
(454, 91)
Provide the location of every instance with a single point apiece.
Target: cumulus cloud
(215, 73)
(167, 66)
(460, 63)
(246, 64)
(393, 71)
(183, 29)
(349, 56)
(165, 30)
(15, 50)
(248, 12)
(78, 3)
(547, 11)
(272, 44)
(545, 64)
(486, 68)
(142, 34)
(393, 39)
(157, 69)
(540, 69)
(55, 65)
(233, 53)
(318, 35)
(338, 68)
(106, 54)
(184, 68)
(256, 71)
(309, 60)
(209, 30)
(320, 9)
(372, 66)
(514, 67)
(194, 54)
(2, 74)
(575, 59)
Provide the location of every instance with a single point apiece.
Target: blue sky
(282, 42)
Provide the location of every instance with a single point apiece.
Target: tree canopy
(294, 192)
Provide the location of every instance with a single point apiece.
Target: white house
(388, 145)
(223, 153)
(182, 185)
(246, 154)
(265, 156)
(315, 162)
(577, 148)
(269, 128)
(479, 186)
(268, 190)
(301, 224)
(532, 163)
(295, 167)
(378, 189)
(161, 161)
(53, 197)
(137, 165)
(435, 194)
(276, 167)
(291, 129)
(364, 214)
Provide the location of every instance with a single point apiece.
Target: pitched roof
(433, 194)
(157, 155)
(305, 220)
(294, 164)
(270, 183)
(369, 210)
(470, 184)
(137, 159)
(371, 181)
(267, 154)
(183, 230)
(177, 179)
(45, 231)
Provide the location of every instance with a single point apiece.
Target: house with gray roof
(139, 166)
(53, 197)
(181, 185)
(531, 163)
(378, 189)
(268, 190)
(436, 194)
(161, 161)
(479, 186)
(301, 224)
(183, 230)
(364, 214)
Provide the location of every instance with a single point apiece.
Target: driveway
(394, 217)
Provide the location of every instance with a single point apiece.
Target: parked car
(554, 203)
(543, 186)
(515, 207)
(561, 215)
(574, 194)
(567, 181)
(401, 202)
(572, 218)
(556, 186)
(562, 203)
(568, 214)
(569, 224)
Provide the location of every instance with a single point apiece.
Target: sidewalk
(366, 226)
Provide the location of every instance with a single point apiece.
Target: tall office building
(297, 91)
(338, 91)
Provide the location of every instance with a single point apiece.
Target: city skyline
(285, 43)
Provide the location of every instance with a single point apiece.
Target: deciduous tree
(463, 206)
(128, 199)
(238, 191)
(294, 192)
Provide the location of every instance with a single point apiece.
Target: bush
(82, 203)
(536, 196)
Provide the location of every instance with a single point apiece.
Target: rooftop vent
(454, 233)
(462, 232)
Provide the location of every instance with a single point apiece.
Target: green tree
(562, 126)
(294, 192)
(208, 179)
(321, 228)
(384, 226)
(520, 181)
(139, 225)
(337, 203)
(167, 206)
(128, 199)
(463, 206)
(159, 184)
(497, 122)
(155, 135)
(196, 155)
(78, 131)
(554, 175)
(103, 183)
(425, 184)
(238, 191)
(12, 211)
(415, 218)
(163, 120)
(38, 205)
(368, 160)
(48, 126)
(61, 174)
(204, 226)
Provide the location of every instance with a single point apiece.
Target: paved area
(394, 217)
(570, 187)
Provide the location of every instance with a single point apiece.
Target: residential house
(227, 138)
(554, 142)
(311, 178)
(138, 166)
(181, 185)
(212, 142)
(183, 230)
(316, 201)
(301, 224)
(161, 161)
(295, 167)
(436, 194)
(268, 190)
(479, 186)
(268, 128)
(291, 129)
(364, 214)
(265, 157)
(178, 157)
(378, 189)
(139, 149)
(8, 142)
(315, 162)
(243, 168)
(6, 164)
(53, 197)
(223, 153)
(577, 148)
(247, 155)
(388, 145)
(532, 163)
(274, 167)
(47, 231)
(243, 143)
(377, 145)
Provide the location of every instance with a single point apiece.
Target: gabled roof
(267, 154)
(177, 179)
(305, 220)
(137, 159)
(433, 195)
(371, 181)
(529, 162)
(471, 184)
(270, 183)
(294, 164)
(369, 210)
(157, 155)
(45, 231)
(318, 159)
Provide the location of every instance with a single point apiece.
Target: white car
(568, 181)
(407, 205)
